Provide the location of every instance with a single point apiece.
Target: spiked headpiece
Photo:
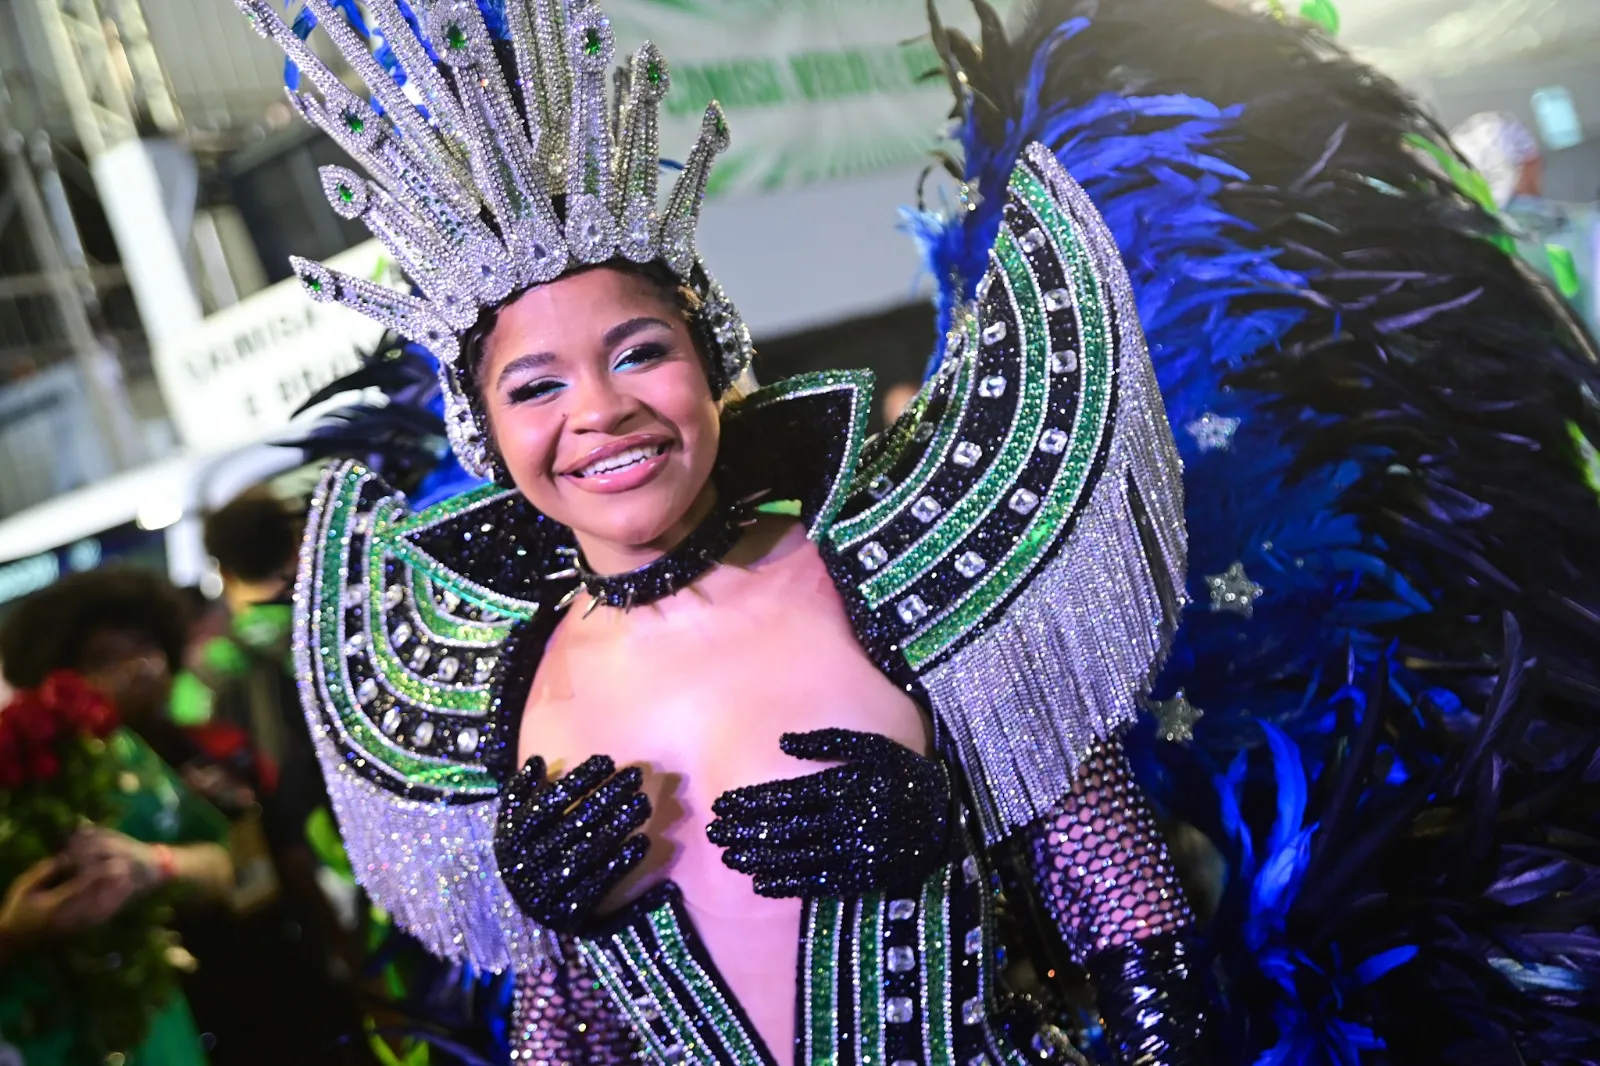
(464, 182)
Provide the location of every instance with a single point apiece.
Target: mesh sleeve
(1101, 865)
(561, 1017)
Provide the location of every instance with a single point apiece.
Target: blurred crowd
(217, 808)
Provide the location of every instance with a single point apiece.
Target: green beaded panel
(859, 528)
(357, 537)
(1088, 427)
(1032, 406)
(856, 385)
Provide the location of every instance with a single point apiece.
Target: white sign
(813, 89)
(241, 374)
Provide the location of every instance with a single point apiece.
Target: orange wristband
(166, 862)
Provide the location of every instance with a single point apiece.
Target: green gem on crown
(314, 284)
(346, 193)
(720, 124)
(652, 72)
(456, 38)
(591, 41)
(355, 122)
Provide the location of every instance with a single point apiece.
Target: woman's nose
(599, 405)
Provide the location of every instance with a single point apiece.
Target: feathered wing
(1032, 487)
(397, 654)
(1386, 423)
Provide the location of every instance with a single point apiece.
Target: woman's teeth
(622, 460)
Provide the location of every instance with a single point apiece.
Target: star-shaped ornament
(1175, 718)
(1233, 591)
(1212, 432)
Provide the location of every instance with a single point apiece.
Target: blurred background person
(1557, 238)
(122, 632)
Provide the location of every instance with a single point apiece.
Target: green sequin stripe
(637, 956)
(353, 722)
(406, 552)
(438, 623)
(622, 998)
(869, 979)
(859, 384)
(966, 514)
(735, 1041)
(934, 919)
(822, 969)
(1088, 429)
(874, 518)
(419, 691)
(448, 509)
(896, 439)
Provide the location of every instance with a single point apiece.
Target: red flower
(43, 764)
(11, 770)
(34, 722)
(77, 703)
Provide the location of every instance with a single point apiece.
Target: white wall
(815, 256)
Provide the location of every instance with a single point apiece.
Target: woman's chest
(704, 696)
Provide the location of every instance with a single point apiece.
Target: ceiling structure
(1432, 39)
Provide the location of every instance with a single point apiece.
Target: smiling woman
(826, 718)
(601, 411)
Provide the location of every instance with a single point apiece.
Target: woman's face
(600, 408)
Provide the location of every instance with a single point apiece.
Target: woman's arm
(1105, 877)
(131, 866)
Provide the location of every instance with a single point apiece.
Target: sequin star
(1212, 432)
(1233, 591)
(1175, 718)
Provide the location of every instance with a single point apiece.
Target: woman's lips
(633, 475)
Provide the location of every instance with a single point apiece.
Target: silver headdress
(463, 183)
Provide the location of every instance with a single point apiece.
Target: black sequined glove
(1152, 1003)
(880, 820)
(563, 845)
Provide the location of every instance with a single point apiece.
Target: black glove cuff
(1152, 1002)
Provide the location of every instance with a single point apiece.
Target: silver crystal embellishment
(926, 509)
(1023, 501)
(1064, 362)
(971, 564)
(1052, 441)
(900, 959)
(1033, 240)
(898, 1010)
(422, 736)
(902, 909)
(995, 332)
(391, 721)
(991, 388)
(467, 741)
(872, 555)
(1057, 300)
(912, 610)
(966, 454)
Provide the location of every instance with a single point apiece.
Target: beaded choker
(697, 553)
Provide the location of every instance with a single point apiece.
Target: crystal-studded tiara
(464, 186)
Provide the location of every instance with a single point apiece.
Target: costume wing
(397, 653)
(1018, 536)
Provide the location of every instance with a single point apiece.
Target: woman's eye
(640, 355)
(532, 390)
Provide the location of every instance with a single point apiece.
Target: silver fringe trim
(431, 866)
(1070, 660)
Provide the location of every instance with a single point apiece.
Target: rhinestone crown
(463, 183)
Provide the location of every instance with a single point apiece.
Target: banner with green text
(814, 89)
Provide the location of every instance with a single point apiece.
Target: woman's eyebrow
(623, 330)
(531, 361)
